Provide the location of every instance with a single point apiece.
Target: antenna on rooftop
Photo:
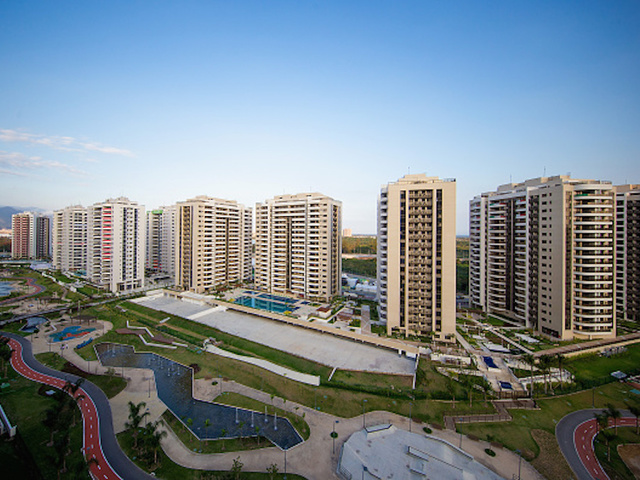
(544, 174)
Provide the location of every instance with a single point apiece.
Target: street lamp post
(333, 435)
(410, 405)
(364, 423)
(519, 463)
(285, 464)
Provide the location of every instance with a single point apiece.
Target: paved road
(98, 437)
(576, 433)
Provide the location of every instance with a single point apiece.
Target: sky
(162, 101)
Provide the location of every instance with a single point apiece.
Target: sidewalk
(313, 459)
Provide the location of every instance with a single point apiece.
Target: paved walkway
(314, 459)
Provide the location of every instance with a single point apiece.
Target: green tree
(5, 353)
(530, 360)
(135, 420)
(272, 470)
(236, 468)
(635, 411)
(608, 436)
(614, 413)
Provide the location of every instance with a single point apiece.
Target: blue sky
(162, 101)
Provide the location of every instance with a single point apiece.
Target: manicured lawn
(171, 471)
(593, 367)
(616, 468)
(517, 433)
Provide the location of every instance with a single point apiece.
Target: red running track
(91, 437)
(583, 438)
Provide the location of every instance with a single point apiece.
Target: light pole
(285, 464)
(519, 462)
(364, 423)
(410, 405)
(334, 435)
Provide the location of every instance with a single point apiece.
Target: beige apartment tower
(417, 256)
(298, 246)
(542, 254)
(70, 239)
(628, 252)
(213, 243)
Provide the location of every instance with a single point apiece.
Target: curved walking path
(99, 439)
(31, 282)
(576, 433)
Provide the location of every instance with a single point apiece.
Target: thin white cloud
(19, 161)
(67, 144)
(4, 171)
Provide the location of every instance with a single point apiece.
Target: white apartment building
(116, 244)
(161, 240)
(299, 246)
(70, 239)
(628, 252)
(213, 244)
(417, 256)
(541, 253)
(30, 235)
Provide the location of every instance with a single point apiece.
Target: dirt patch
(550, 462)
(630, 455)
(71, 368)
(196, 368)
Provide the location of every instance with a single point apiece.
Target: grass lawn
(25, 407)
(616, 468)
(171, 471)
(592, 367)
(516, 434)
(237, 400)
(342, 400)
(110, 385)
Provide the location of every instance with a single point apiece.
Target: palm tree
(530, 360)
(544, 363)
(72, 388)
(5, 353)
(602, 421)
(223, 433)
(257, 428)
(135, 419)
(51, 422)
(152, 437)
(614, 413)
(608, 435)
(635, 411)
(559, 358)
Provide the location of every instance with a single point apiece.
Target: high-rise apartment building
(116, 244)
(541, 253)
(213, 244)
(70, 239)
(299, 246)
(417, 256)
(161, 240)
(628, 252)
(31, 235)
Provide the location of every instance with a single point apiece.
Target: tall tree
(531, 361)
(135, 420)
(635, 411)
(615, 414)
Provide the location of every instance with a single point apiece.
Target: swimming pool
(261, 304)
(70, 332)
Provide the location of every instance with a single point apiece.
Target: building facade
(541, 253)
(417, 256)
(70, 239)
(213, 244)
(299, 246)
(161, 240)
(116, 244)
(31, 235)
(628, 252)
